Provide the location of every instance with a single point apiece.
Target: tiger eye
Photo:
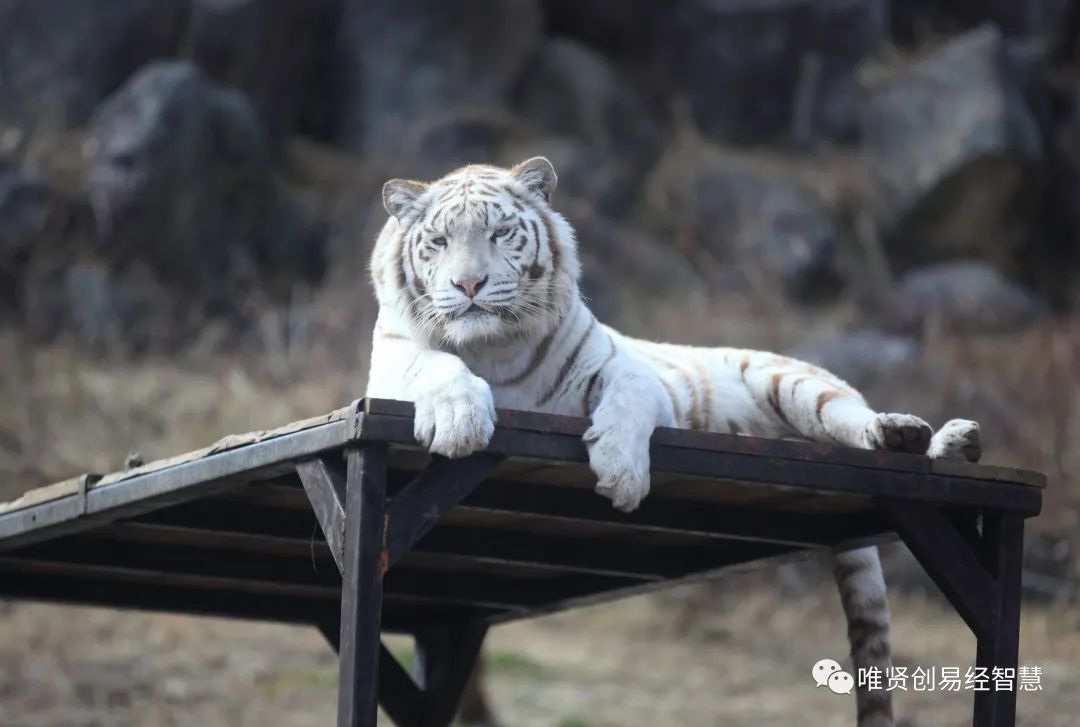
(438, 241)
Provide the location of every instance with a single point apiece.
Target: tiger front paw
(455, 419)
(619, 456)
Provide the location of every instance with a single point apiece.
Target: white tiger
(476, 278)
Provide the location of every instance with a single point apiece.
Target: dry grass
(625, 664)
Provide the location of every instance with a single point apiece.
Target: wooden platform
(264, 525)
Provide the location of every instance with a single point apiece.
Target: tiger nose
(470, 286)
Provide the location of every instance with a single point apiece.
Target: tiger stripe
(534, 362)
(567, 365)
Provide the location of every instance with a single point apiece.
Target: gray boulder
(953, 151)
(26, 202)
(914, 21)
(59, 58)
(438, 143)
(569, 90)
(865, 359)
(181, 180)
(412, 62)
(967, 295)
(586, 173)
(759, 229)
(757, 71)
(631, 34)
(31, 220)
(279, 52)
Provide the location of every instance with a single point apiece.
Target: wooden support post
(948, 559)
(435, 491)
(361, 588)
(326, 493)
(445, 659)
(999, 645)
(399, 696)
(979, 573)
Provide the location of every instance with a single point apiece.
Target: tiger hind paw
(898, 433)
(959, 439)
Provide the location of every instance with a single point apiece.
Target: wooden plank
(581, 555)
(870, 481)
(79, 588)
(690, 439)
(38, 522)
(597, 597)
(247, 569)
(253, 528)
(194, 479)
(739, 444)
(75, 586)
(506, 592)
(502, 505)
(988, 472)
(136, 533)
(64, 567)
(738, 523)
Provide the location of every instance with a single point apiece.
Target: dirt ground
(629, 664)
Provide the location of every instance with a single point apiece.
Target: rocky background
(189, 193)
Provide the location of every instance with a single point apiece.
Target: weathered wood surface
(261, 517)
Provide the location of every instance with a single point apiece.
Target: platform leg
(445, 660)
(998, 646)
(361, 587)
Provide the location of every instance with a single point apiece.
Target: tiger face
(482, 254)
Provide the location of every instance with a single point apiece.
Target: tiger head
(478, 255)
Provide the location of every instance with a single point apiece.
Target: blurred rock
(966, 296)
(278, 52)
(408, 60)
(25, 207)
(586, 174)
(756, 223)
(41, 229)
(615, 255)
(181, 180)
(915, 21)
(1064, 218)
(442, 141)
(569, 90)
(757, 71)
(864, 358)
(59, 58)
(631, 34)
(94, 301)
(953, 150)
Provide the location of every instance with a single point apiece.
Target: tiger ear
(537, 175)
(399, 196)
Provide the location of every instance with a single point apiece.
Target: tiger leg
(816, 405)
(630, 405)
(862, 587)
